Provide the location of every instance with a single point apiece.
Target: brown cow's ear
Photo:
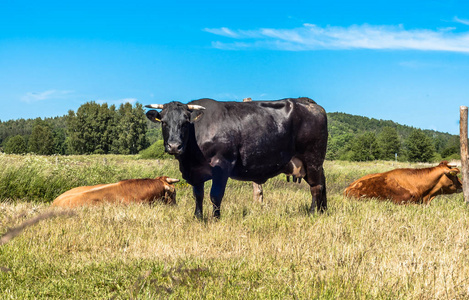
(452, 172)
(196, 115)
(153, 116)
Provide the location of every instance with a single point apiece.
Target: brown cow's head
(176, 119)
(449, 183)
(169, 189)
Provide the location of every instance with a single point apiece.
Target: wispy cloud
(313, 37)
(46, 95)
(223, 32)
(118, 102)
(462, 21)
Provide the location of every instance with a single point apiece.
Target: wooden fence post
(464, 153)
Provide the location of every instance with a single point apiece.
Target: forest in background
(357, 138)
(102, 129)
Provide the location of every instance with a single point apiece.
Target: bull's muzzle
(174, 149)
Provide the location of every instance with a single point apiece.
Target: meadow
(273, 250)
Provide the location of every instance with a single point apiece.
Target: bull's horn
(171, 180)
(157, 106)
(195, 107)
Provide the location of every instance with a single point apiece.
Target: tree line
(93, 129)
(102, 129)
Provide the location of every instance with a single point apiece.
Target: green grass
(272, 250)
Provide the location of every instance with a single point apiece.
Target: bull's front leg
(198, 191)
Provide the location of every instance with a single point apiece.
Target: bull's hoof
(198, 215)
(319, 210)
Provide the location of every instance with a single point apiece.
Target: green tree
(131, 130)
(338, 145)
(365, 147)
(154, 134)
(41, 140)
(91, 129)
(101, 129)
(389, 143)
(16, 145)
(452, 147)
(419, 147)
(59, 141)
(75, 144)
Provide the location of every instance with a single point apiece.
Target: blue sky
(406, 61)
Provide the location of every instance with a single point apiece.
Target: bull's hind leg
(317, 182)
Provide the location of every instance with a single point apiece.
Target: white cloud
(462, 21)
(222, 31)
(46, 95)
(118, 102)
(313, 37)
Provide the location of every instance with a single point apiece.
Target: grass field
(273, 250)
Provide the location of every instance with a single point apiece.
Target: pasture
(272, 250)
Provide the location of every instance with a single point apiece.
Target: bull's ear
(196, 115)
(153, 116)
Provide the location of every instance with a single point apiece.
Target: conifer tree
(419, 147)
(41, 140)
(365, 147)
(16, 145)
(389, 143)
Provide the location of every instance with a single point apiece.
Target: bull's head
(176, 122)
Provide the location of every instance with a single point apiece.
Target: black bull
(251, 141)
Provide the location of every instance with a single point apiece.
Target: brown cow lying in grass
(408, 185)
(126, 191)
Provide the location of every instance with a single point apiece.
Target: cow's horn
(195, 107)
(171, 180)
(157, 106)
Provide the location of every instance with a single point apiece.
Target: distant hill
(356, 124)
(344, 128)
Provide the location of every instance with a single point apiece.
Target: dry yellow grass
(357, 250)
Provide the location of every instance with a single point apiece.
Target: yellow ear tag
(157, 120)
(452, 173)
